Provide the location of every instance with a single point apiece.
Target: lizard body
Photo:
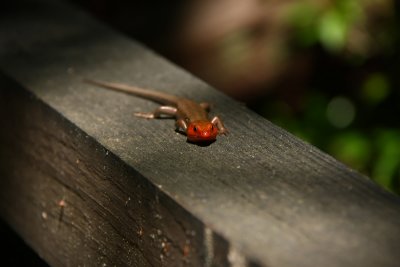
(191, 117)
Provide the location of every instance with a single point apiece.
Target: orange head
(201, 131)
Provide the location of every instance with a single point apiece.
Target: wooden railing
(85, 183)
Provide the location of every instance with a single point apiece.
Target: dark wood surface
(135, 192)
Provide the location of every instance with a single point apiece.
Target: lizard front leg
(181, 124)
(218, 123)
(162, 110)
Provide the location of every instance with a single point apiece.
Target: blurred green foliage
(369, 144)
(350, 108)
(386, 168)
(375, 89)
(328, 26)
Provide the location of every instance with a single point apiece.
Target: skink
(191, 117)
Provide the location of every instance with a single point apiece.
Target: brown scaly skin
(191, 117)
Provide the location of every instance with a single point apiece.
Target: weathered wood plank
(136, 193)
(111, 215)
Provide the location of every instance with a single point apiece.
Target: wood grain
(135, 192)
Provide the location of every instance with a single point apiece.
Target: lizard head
(201, 131)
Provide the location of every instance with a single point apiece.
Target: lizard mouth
(203, 136)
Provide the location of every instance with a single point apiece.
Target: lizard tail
(156, 96)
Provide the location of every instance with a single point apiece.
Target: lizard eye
(212, 127)
(195, 128)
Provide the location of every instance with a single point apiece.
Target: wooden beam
(86, 183)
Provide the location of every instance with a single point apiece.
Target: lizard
(190, 117)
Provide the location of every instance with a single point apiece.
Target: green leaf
(375, 89)
(387, 163)
(353, 148)
(332, 31)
